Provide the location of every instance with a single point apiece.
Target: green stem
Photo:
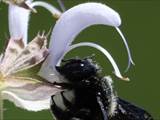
(1, 106)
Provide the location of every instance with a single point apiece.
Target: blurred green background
(140, 24)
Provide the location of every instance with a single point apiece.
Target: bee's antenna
(90, 57)
(71, 59)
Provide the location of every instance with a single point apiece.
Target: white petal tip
(124, 78)
(56, 13)
(133, 63)
(121, 77)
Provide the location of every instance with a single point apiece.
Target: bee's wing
(117, 108)
(128, 111)
(106, 98)
(61, 104)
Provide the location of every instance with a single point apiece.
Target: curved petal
(19, 18)
(55, 12)
(74, 20)
(130, 60)
(71, 23)
(18, 22)
(28, 105)
(48, 72)
(32, 97)
(51, 75)
(104, 51)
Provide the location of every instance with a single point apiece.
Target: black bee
(88, 96)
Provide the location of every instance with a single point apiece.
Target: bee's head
(78, 69)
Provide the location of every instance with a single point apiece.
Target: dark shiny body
(92, 96)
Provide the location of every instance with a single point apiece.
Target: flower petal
(29, 105)
(71, 23)
(55, 12)
(18, 81)
(48, 72)
(30, 95)
(104, 51)
(18, 58)
(34, 53)
(18, 22)
(14, 48)
(34, 91)
(130, 60)
(74, 20)
(19, 17)
(1, 57)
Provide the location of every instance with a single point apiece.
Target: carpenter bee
(88, 96)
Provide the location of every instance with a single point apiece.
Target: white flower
(69, 25)
(29, 91)
(18, 80)
(21, 61)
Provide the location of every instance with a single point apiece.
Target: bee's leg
(129, 111)
(82, 114)
(56, 110)
(103, 108)
(76, 118)
(67, 103)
